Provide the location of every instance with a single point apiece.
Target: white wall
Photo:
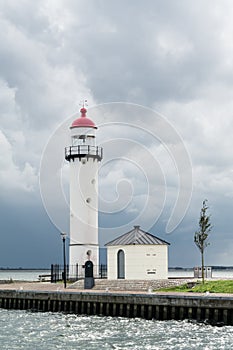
(83, 210)
(141, 261)
(83, 201)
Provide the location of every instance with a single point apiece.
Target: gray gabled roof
(136, 236)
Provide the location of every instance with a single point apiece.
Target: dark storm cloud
(173, 56)
(146, 52)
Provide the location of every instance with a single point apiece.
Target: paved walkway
(35, 286)
(58, 287)
(48, 286)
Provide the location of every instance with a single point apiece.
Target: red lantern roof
(83, 121)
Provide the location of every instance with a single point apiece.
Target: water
(22, 275)
(50, 331)
(32, 275)
(190, 274)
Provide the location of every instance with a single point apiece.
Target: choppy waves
(49, 331)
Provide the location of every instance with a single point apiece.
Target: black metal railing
(75, 272)
(83, 151)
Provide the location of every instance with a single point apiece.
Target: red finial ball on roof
(83, 111)
(83, 121)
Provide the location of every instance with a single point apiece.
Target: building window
(120, 264)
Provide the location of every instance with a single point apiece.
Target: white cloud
(11, 176)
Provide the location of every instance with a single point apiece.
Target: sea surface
(33, 275)
(49, 331)
(22, 275)
(189, 273)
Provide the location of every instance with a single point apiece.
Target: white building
(137, 255)
(83, 155)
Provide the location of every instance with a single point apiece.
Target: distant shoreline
(217, 267)
(191, 268)
(24, 268)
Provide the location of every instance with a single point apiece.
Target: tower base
(79, 254)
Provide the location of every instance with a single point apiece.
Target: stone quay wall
(211, 309)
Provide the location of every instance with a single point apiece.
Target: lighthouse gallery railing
(83, 151)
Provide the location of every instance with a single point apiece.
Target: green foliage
(181, 288)
(205, 227)
(201, 236)
(218, 286)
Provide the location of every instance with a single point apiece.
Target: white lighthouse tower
(83, 155)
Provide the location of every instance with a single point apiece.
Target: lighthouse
(84, 157)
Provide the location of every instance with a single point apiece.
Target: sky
(158, 77)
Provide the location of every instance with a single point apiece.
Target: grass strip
(218, 286)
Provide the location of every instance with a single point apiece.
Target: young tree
(200, 236)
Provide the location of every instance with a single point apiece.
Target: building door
(121, 264)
